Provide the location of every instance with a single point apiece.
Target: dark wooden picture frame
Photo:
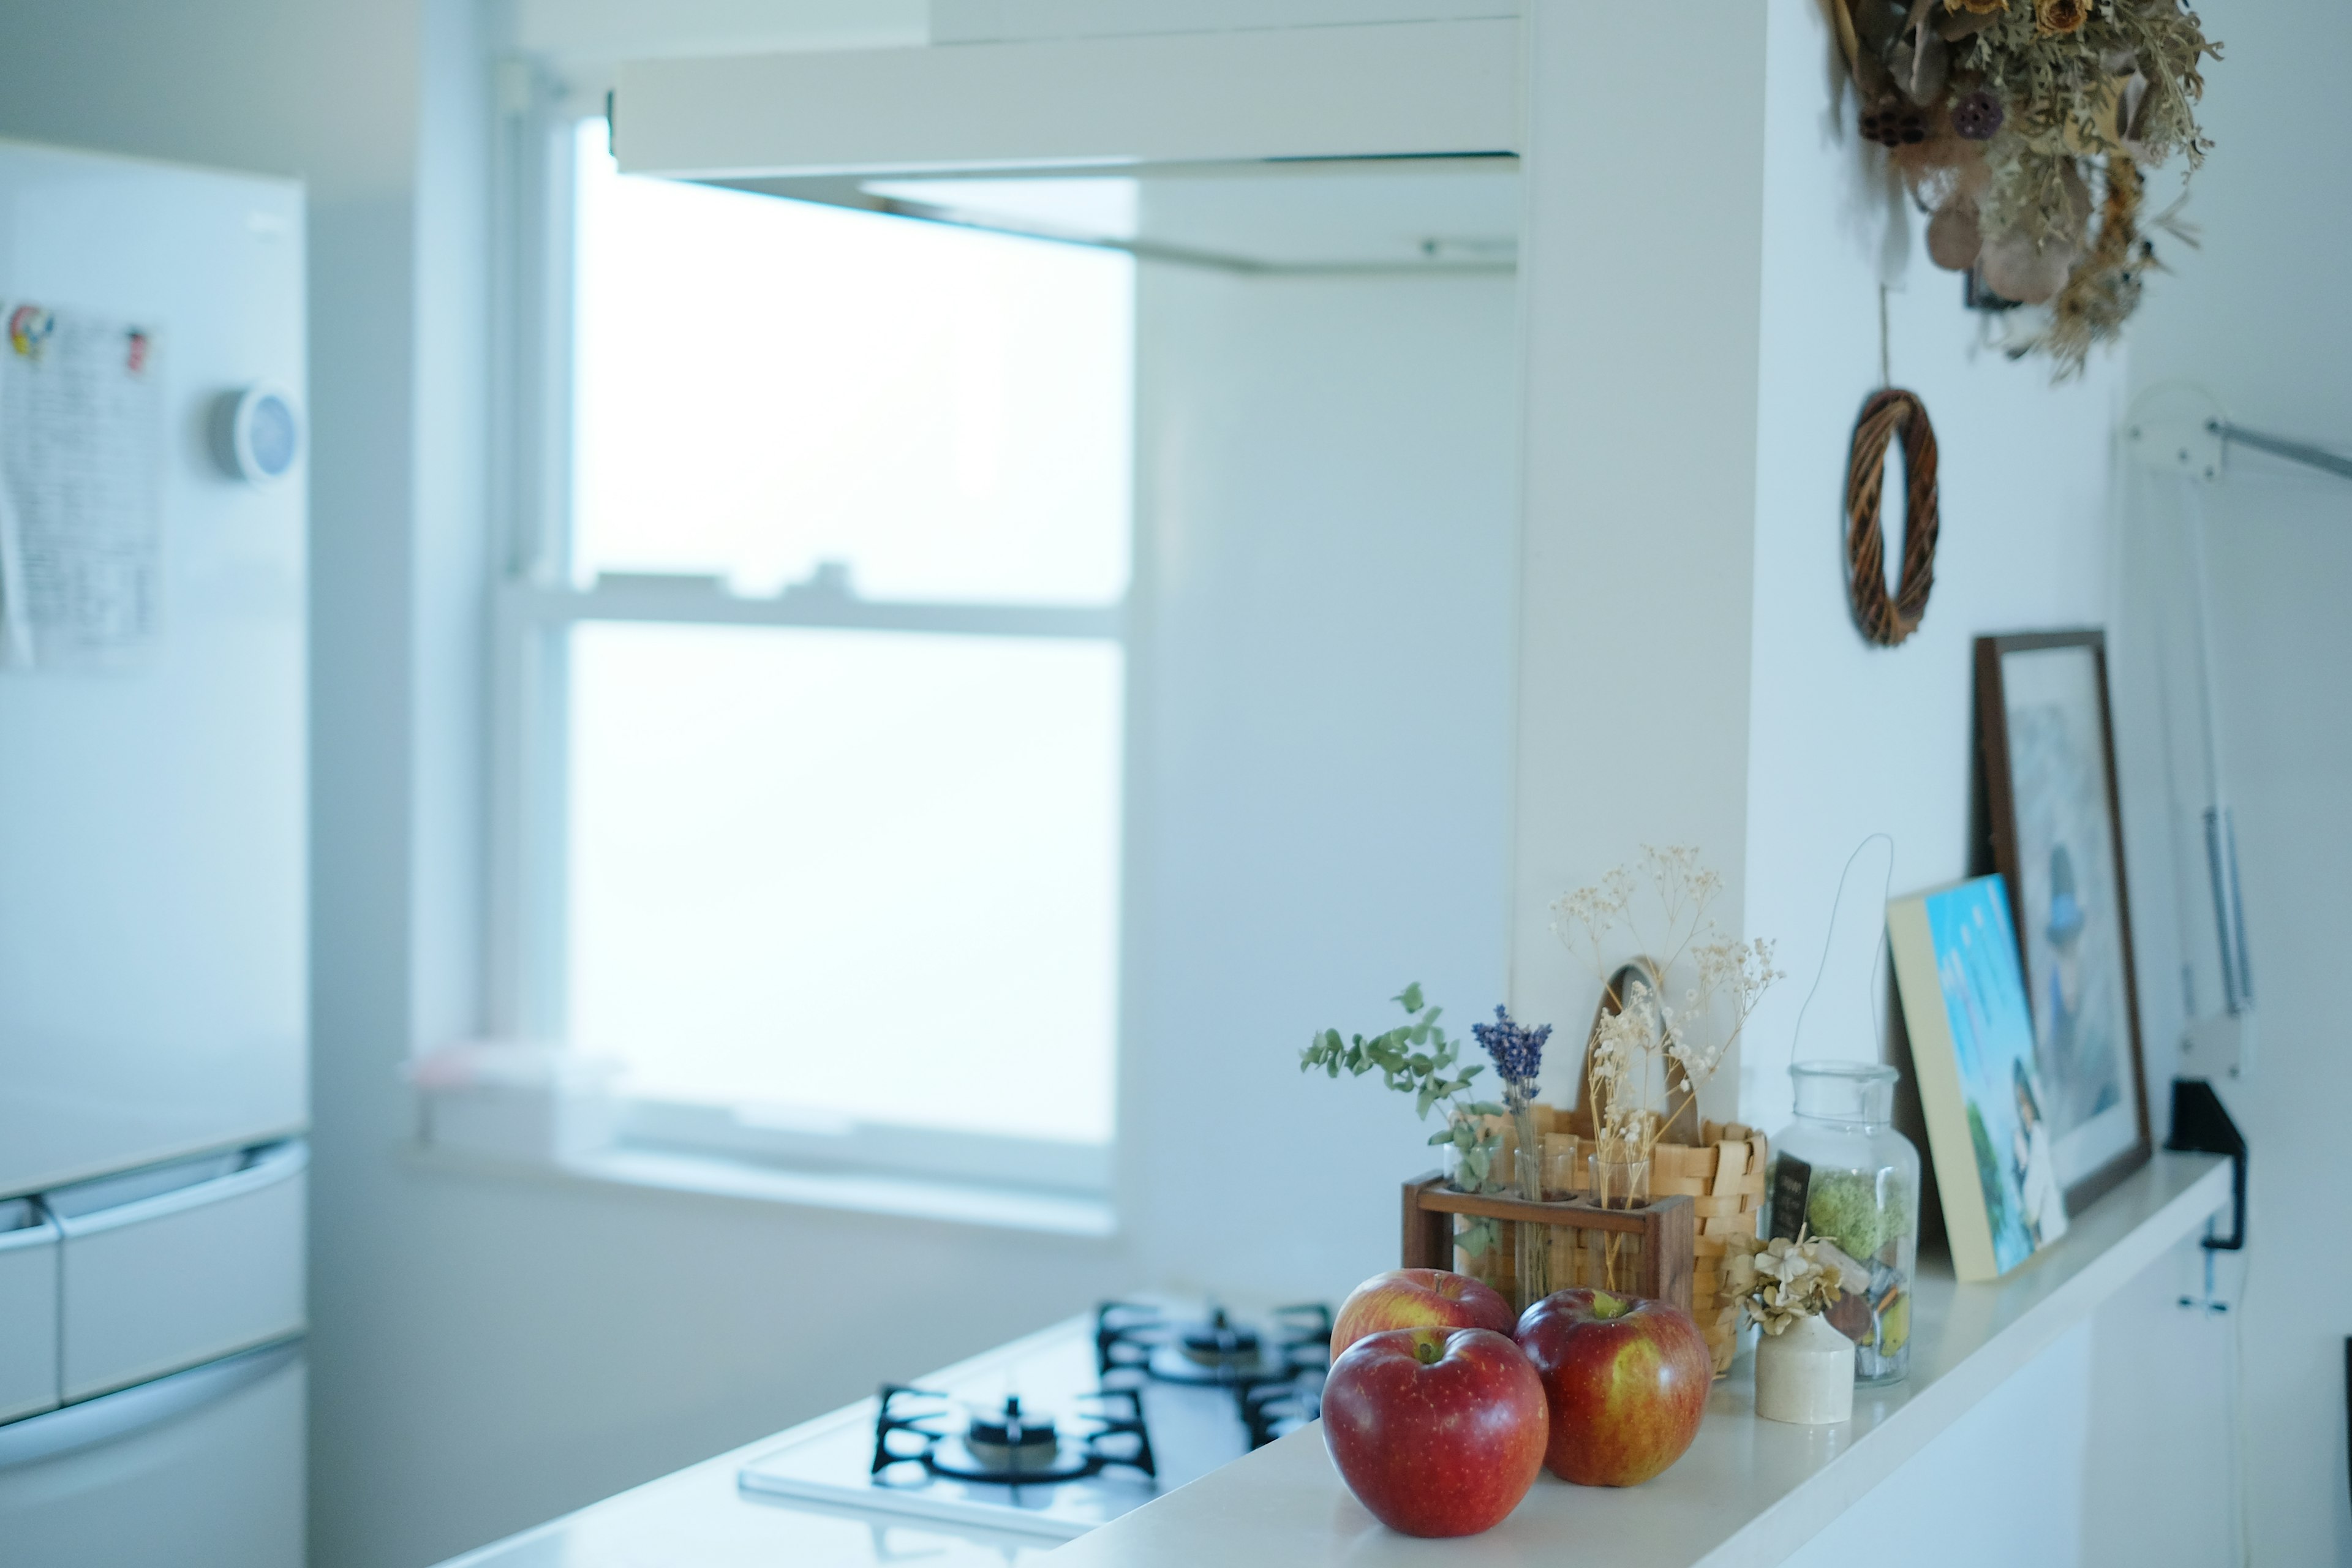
(2010, 847)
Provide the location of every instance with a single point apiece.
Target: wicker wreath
(1882, 620)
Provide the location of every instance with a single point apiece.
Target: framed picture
(1973, 1056)
(2057, 840)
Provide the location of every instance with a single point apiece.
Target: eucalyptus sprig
(1419, 1059)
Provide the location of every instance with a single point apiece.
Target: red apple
(1419, 1298)
(1626, 1380)
(1437, 1431)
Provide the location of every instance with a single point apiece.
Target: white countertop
(699, 1519)
(1749, 1493)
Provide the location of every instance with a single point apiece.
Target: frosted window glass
(762, 385)
(873, 874)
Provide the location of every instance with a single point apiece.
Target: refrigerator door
(152, 815)
(190, 1269)
(202, 1469)
(28, 1311)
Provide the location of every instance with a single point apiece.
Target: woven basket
(1724, 1176)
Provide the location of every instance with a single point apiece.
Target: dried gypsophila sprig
(1777, 1282)
(1645, 1042)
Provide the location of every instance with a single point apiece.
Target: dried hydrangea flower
(1777, 1282)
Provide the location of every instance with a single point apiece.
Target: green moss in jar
(1846, 1208)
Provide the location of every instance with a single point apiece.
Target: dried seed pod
(2018, 268)
(1892, 122)
(1977, 116)
(1954, 239)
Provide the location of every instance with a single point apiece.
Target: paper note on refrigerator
(82, 492)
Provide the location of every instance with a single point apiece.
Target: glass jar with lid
(1842, 1173)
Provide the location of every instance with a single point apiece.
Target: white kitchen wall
(2257, 318)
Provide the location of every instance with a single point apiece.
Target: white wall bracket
(2177, 429)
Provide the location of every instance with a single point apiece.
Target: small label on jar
(1792, 1179)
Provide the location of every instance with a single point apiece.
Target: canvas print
(1973, 1056)
(1994, 1049)
(2057, 841)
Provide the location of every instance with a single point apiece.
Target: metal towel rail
(2280, 447)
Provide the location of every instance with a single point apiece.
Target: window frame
(535, 603)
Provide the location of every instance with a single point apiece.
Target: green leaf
(1483, 1107)
(1442, 1135)
(1410, 997)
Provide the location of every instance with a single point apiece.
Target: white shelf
(1749, 1492)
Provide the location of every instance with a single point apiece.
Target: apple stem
(1427, 1353)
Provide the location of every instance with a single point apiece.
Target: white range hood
(1396, 91)
(1388, 147)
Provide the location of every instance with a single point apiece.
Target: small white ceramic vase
(1805, 1374)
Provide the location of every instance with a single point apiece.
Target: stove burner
(1009, 1446)
(1219, 1342)
(1010, 1441)
(1276, 1376)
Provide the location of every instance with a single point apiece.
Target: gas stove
(1069, 1429)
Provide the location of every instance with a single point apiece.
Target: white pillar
(1641, 283)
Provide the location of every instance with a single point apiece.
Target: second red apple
(1417, 1297)
(1627, 1381)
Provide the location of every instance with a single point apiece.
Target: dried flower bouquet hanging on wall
(2021, 126)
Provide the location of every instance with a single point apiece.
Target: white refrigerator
(154, 1089)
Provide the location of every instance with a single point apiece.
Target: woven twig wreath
(1882, 620)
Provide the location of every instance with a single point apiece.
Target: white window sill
(854, 1192)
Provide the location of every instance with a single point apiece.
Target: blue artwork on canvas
(1993, 1033)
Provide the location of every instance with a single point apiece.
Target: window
(818, 679)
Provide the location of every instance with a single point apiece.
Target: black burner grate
(1274, 1371)
(911, 1427)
